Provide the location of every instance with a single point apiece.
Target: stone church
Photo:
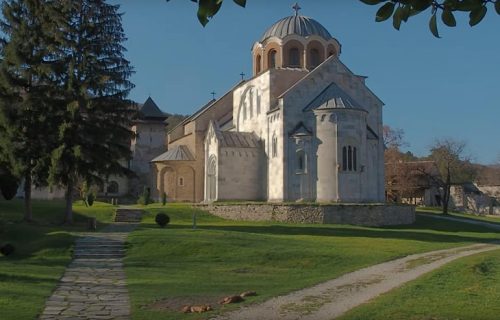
(303, 128)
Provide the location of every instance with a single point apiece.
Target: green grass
(224, 257)
(43, 250)
(439, 211)
(468, 288)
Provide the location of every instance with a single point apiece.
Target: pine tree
(26, 92)
(94, 133)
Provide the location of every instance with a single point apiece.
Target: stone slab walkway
(93, 285)
(333, 298)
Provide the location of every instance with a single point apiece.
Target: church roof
(232, 139)
(332, 97)
(177, 153)
(297, 24)
(149, 110)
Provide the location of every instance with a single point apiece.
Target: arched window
(113, 187)
(258, 62)
(294, 57)
(314, 57)
(181, 181)
(272, 59)
(349, 158)
(331, 53)
(274, 147)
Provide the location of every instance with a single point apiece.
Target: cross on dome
(296, 7)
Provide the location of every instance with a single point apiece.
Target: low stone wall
(356, 214)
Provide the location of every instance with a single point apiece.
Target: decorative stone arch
(331, 51)
(167, 182)
(293, 54)
(315, 53)
(269, 48)
(249, 106)
(211, 179)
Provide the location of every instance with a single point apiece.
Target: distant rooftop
(150, 111)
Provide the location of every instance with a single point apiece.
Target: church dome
(299, 25)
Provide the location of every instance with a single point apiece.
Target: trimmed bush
(162, 219)
(7, 249)
(89, 199)
(8, 186)
(164, 198)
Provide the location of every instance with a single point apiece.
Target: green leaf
(207, 9)
(241, 3)
(371, 2)
(385, 12)
(448, 18)
(433, 26)
(476, 15)
(397, 17)
(497, 6)
(421, 5)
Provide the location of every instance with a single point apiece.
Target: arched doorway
(212, 179)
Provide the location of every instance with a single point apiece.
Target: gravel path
(495, 226)
(93, 285)
(331, 299)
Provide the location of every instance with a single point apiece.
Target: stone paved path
(333, 298)
(93, 286)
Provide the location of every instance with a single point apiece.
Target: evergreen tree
(94, 132)
(26, 91)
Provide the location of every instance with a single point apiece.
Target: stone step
(98, 255)
(128, 215)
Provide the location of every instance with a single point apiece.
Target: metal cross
(296, 7)
(213, 95)
(242, 75)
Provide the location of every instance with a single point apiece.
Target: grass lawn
(468, 288)
(43, 250)
(168, 267)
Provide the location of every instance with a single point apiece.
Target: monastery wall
(355, 214)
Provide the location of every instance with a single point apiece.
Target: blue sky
(432, 88)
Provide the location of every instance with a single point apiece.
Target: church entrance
(212, 180)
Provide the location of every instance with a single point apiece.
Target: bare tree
(453, 165)
(393, 138)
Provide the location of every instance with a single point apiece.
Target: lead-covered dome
(299, 25)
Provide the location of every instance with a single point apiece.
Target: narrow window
(257, 64)
(275, 146)
(315, 61)
(294, 57)
(344, 158)
(301, 161)
(349, 158)
(181, 181)
(272, 59)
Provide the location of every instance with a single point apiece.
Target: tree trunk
(447, 189)
(28, 213)
(68, 216)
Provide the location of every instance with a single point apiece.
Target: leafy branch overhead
(399, 10)
(402, 10)
(209, 8)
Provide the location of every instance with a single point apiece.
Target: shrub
(7, 249)
(145, 198)
(8, 185)
(164, 198)
(162, 219)
(89, 199)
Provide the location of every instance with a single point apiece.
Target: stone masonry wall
(356, 214)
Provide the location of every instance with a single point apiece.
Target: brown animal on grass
(248, 294)
(231, 299)
(196, 309)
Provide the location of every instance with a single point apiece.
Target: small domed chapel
(303, 128)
